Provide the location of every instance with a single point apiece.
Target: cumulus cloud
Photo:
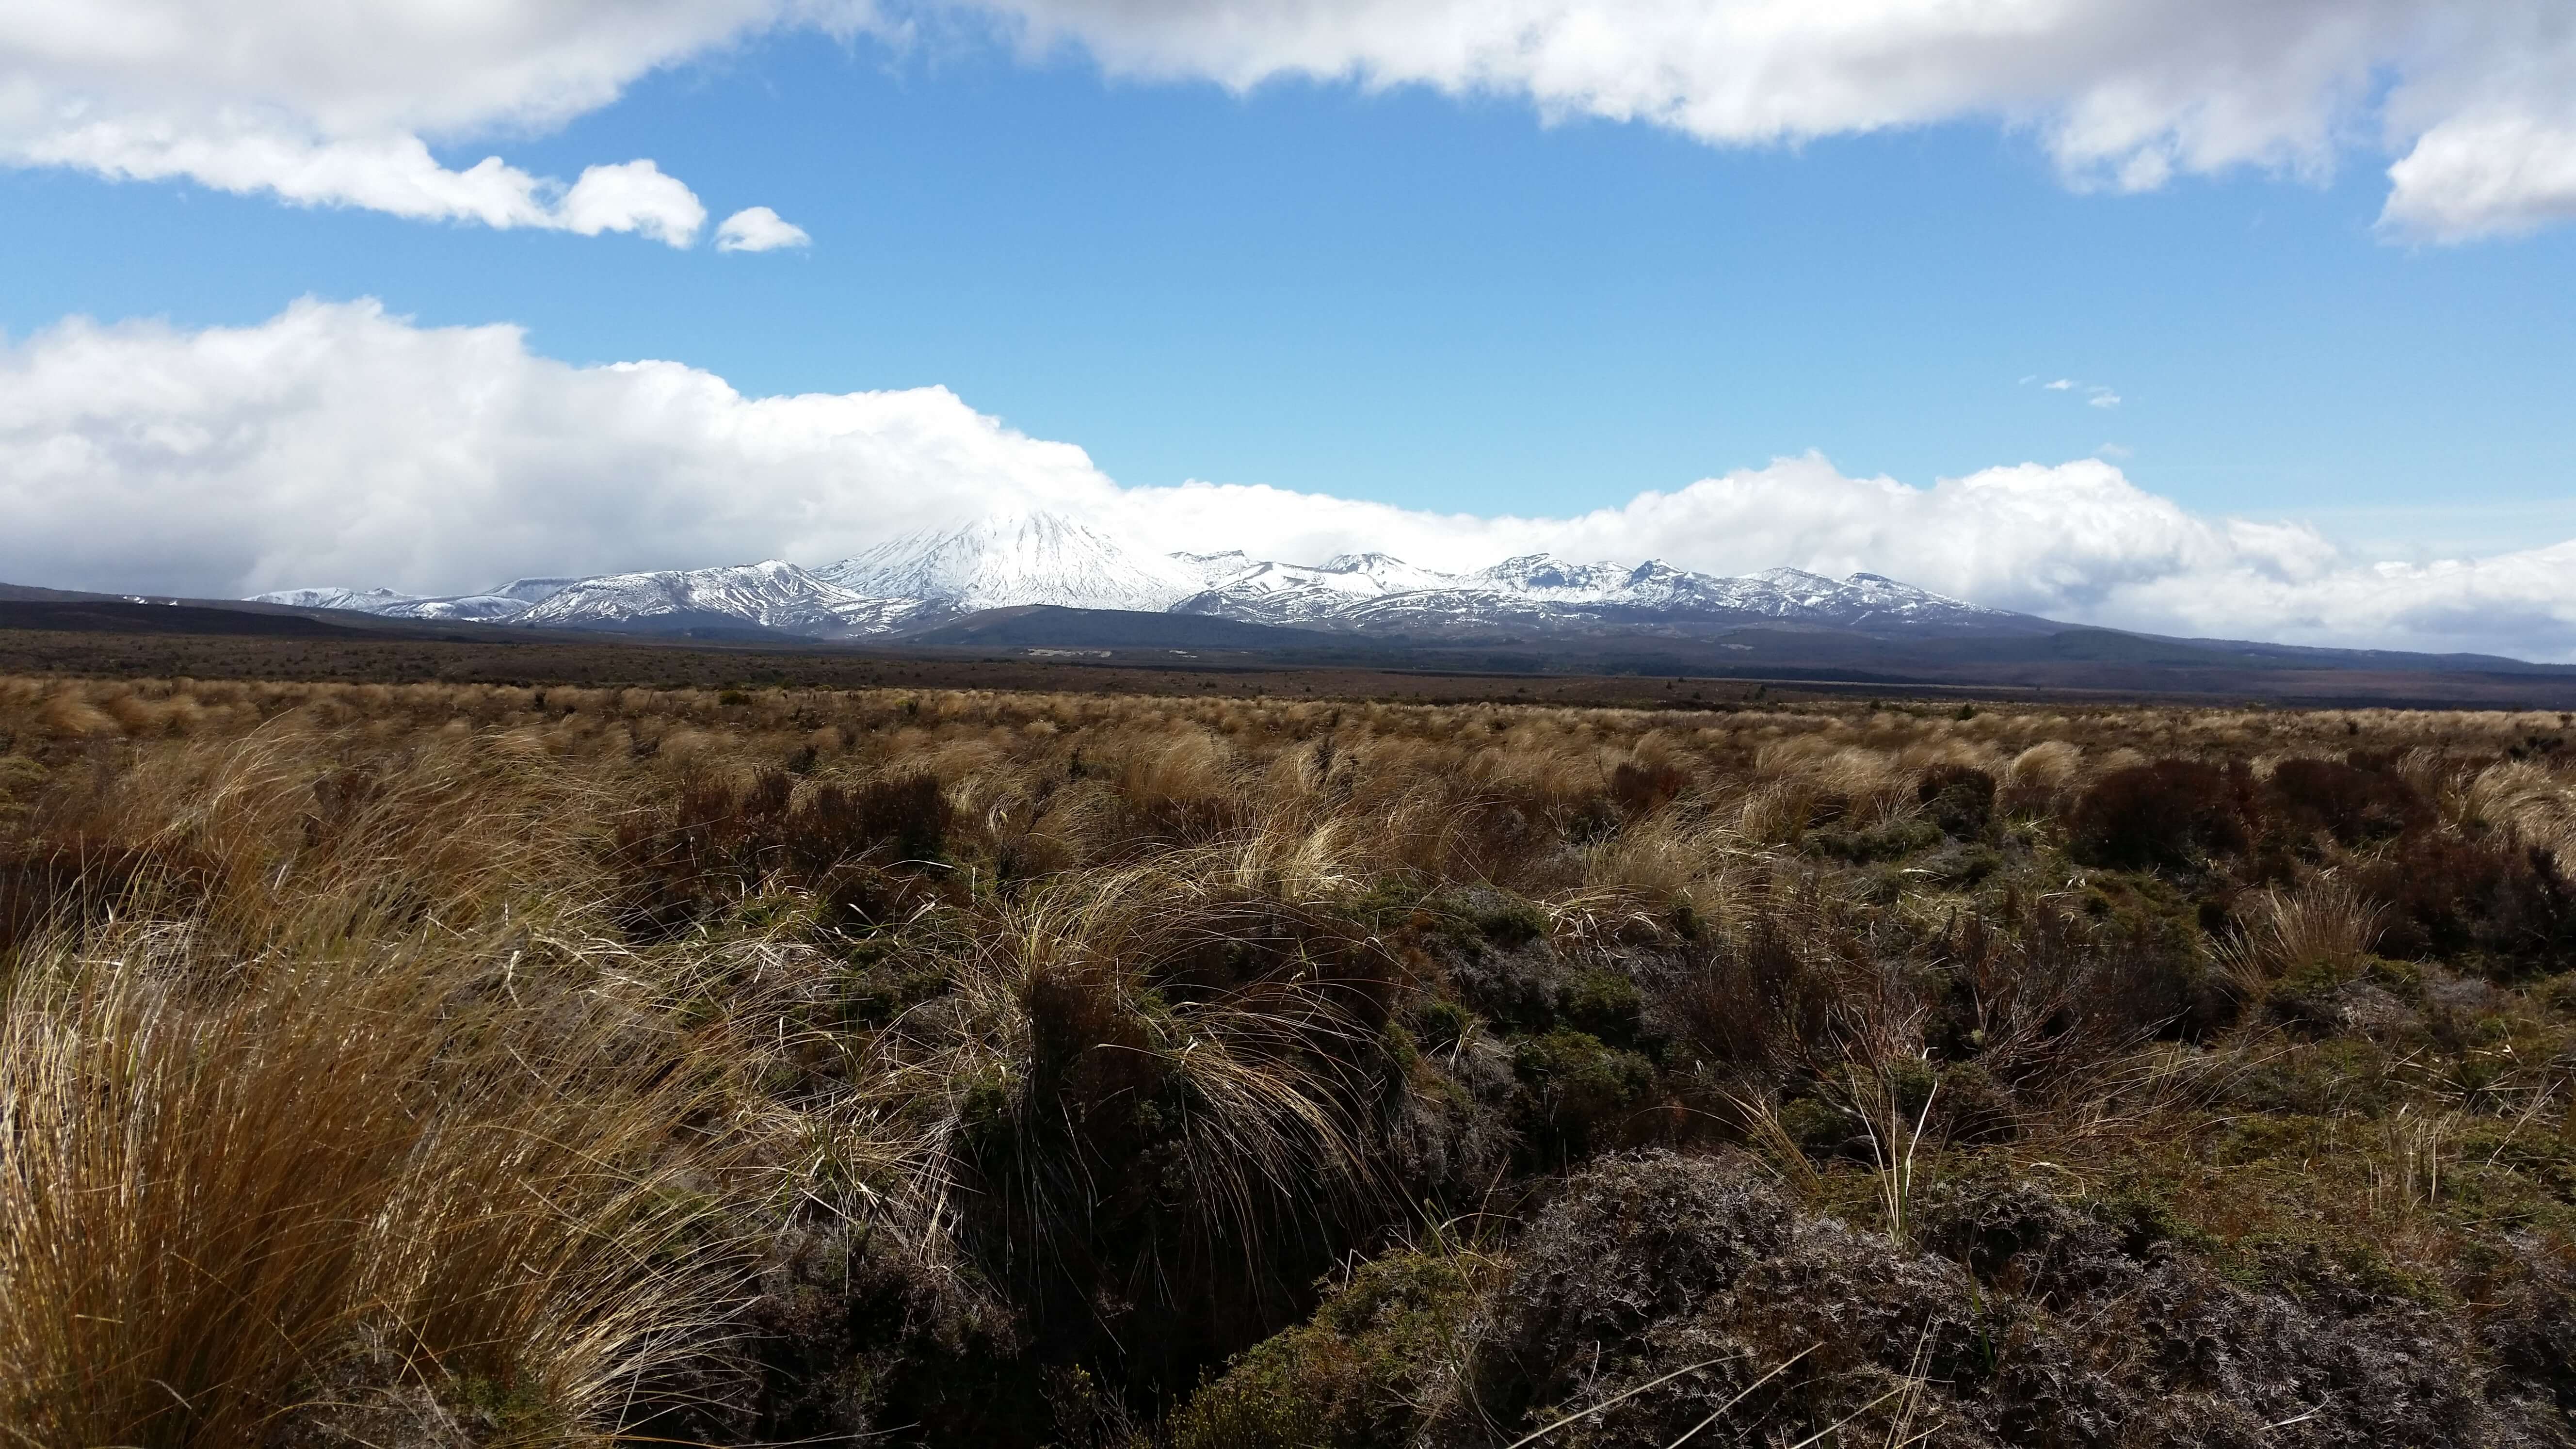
(338, 101)
(335, 441)
(759, 229)
(2503, 175)
(337, 444)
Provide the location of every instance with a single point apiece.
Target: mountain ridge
(917, 586)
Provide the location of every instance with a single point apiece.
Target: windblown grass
(340, 1166)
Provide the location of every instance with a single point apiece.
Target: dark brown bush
(679, 862)
(62, 885)
(1633, 1239)
(2494, 898)
(1639, 788)
(2351, 804)
(1958, 798)
(1747, 1002)
(1662, 1289)
(2169, 814)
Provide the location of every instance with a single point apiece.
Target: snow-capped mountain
(928, 578)
(1542, 593)
(506, 602)
(484, 607)
(364, 601)
(1262, 592)
(769, 595)
(1545, 576)
(1035, 558)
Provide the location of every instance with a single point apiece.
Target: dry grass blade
(1619, 1398)
(1741, 1395)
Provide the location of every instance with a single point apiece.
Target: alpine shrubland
(476, 1065)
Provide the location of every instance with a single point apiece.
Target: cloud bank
(337, 101)
(337, 444)
(2477, 102)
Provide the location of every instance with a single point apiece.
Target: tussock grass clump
(233, 1199)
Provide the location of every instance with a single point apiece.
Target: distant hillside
(118, 617)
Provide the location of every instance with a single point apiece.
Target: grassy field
(478, 1064)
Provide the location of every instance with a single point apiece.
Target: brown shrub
(1958, 798)
(2494, 898)
(1639, 787)
(2350, 803)
(2171, 813)
(709, 844)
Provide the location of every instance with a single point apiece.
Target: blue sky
(1461, 299)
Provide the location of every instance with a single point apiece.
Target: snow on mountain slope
(364, 601)
(503, 603)
(485, 608)
(1543, 593)
(531, 591)
(1879, 598)
(1544, 575)
(1296, 594)
(1215, 568)
(1388, 574)
(769, 595)
(1036, 558)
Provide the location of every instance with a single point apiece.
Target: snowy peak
(1545, 575)
(1035, 558)
(1387, 573)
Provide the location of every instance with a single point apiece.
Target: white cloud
(2503, 175)
(2095, 394)
(758, 229)
(336, 444)
(338, 101)
(2124, 94)
(637, 197)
